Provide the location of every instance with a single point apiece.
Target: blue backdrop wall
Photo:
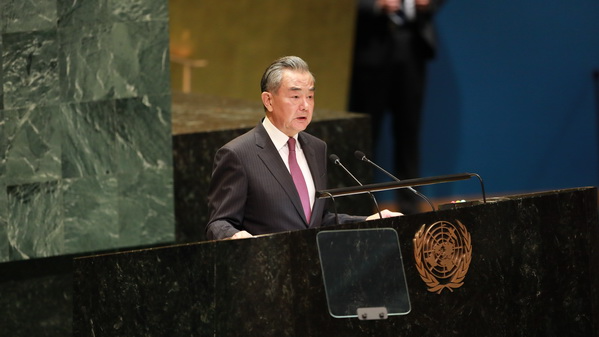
(511, 96)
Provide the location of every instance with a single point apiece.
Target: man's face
(290, 107)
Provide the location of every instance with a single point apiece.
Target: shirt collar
(279, 139)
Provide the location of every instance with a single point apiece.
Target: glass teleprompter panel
(363, 272)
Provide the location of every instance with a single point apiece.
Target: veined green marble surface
(3, 223)
(89, 140)
(85, 126)
(27, 15)
(115, 60)
(77, 13)
(30, 66)
(1, 82)
(145, 207)
(35, 226)
(90, 213)
(33, 145)
(143, 133)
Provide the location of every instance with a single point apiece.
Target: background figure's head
(288, 94)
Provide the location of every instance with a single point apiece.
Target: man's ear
(267, 100)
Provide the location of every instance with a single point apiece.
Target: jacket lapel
(273, 162)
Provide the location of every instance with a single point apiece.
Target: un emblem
(443, 252)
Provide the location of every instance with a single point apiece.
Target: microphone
(335, 159)
(362, 157)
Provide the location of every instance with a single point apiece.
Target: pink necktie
(298, 179)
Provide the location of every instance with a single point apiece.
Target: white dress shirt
(279, 139)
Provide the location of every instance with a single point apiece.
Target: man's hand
(241, 235)
(385, 213)
(389, 6)
(422, 5)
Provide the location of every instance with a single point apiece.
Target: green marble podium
(533, 272)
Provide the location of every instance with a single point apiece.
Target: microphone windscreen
(334, 158)
(360, 155)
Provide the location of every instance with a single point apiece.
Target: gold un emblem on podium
(443, 252)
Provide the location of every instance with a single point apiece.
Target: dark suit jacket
(251, 188)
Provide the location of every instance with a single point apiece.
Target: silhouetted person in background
(393, 42)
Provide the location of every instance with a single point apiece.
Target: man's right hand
(389, 6)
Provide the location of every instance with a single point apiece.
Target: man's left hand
(385, 214)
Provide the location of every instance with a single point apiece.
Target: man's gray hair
(273, 75)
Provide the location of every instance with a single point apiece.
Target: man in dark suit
(254, 188)
(394, 40)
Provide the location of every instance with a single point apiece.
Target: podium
(532, 271)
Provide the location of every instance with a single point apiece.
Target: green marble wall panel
(3, 222)
(3, 146)
(90, 213)
(3, 195)
(1, 79)
(85, 127)
(116, 60)
(145, 207)
(86, 63)
(141, 58)
(27, 15)
(76, 13)
(144, 133)
(33, 150)
(140, 10)
(35, 226)
(123, 53)
(144, 157)
(30, 64)
(89, 140)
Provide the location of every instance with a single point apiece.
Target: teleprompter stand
(363, 273)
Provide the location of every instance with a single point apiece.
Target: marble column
(84, 84)
(85, 146)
